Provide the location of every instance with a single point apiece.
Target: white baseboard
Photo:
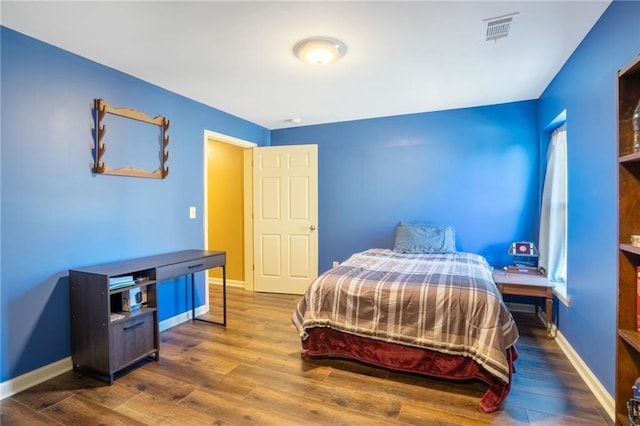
(606, 400)
(230, 283)
(175, 320)
(34, 377)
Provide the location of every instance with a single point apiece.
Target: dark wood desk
(105, 337)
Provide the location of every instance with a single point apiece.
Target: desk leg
(549, 316)
(193, 297)
(224, 300)
(224, 295)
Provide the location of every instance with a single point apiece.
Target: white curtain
(553, 217)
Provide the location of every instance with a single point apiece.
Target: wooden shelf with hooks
(101, 108)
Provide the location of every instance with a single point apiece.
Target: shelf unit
(100, 344)
(628, 337)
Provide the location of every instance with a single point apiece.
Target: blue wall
(586, 88)
(56, 215)
(475, 169)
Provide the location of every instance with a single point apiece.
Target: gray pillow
(425, 239)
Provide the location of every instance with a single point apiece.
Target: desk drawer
(525, 290)
(176, 270)
(132, 339)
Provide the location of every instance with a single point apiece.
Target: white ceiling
(402, 57)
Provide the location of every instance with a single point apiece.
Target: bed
(437, 314)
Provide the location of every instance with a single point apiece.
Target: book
(121, 282)
(116, 316)
(120, 279)
(121, 285)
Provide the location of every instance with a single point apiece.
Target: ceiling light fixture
(319, 50)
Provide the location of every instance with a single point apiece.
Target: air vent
(496, 28)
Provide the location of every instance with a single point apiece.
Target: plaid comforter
(442, 302)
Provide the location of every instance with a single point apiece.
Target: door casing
(248, 148)
(248, 200)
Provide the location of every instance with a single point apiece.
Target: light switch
(192, 212)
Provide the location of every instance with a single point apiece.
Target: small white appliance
(132, 299)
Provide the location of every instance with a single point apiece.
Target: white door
(285, 200)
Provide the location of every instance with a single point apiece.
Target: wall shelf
(634, 157)
(628, 248)
(631, 337)
(100, 110)
(628, 338)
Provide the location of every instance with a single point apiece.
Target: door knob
(312, 227)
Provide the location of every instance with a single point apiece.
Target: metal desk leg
(224, 295)
(193, 297)
(224, 300)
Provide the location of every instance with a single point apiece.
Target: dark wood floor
(251, 374)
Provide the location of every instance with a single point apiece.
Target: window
(553, 216)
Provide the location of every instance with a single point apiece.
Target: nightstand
(527, 285)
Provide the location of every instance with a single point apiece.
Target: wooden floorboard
(251, 373)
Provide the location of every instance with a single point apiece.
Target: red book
(638, 298)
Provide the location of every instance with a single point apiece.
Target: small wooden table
(527, 285)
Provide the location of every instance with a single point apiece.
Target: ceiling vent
(496, 28)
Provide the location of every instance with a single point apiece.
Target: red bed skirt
(326, 342)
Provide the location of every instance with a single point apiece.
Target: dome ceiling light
(319, 50)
